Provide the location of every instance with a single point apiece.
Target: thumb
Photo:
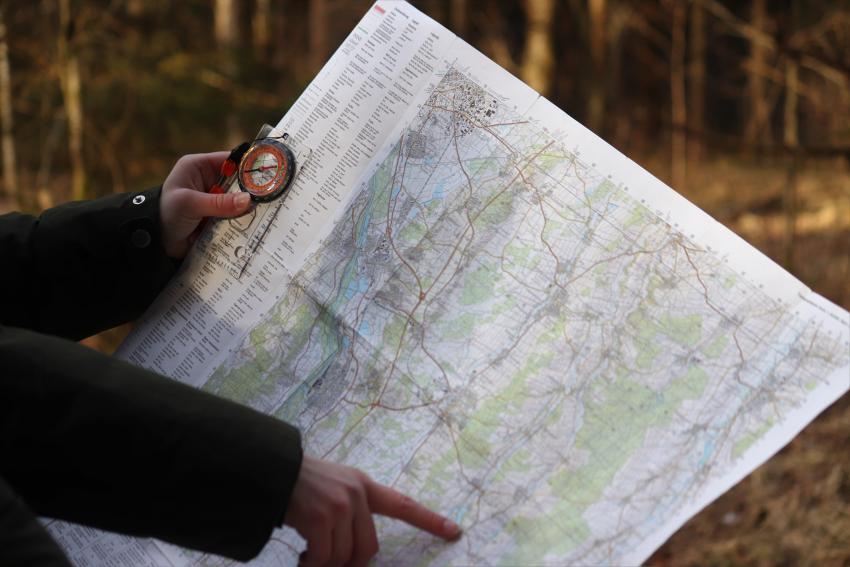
(199, 204)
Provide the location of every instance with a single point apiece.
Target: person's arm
(82, 267)
(86, 266)
(88, 438)
(91, 439)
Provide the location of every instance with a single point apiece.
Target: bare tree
(458, 17)
(792, 88)
(318, 33)
(757, 129)
(494, 40)
(69, 80)
(10, 180)
(678, 106)
(226, 25)
(791, 141)
(226, 22)
(696, 90)
(828, 70)
(618, 20)
(537, 57)
(596, 98)
(260, 26)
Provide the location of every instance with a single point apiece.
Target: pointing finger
(389, 502)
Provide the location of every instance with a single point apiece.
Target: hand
(332, 507)
(185, 201)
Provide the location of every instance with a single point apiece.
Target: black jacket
(91, 439)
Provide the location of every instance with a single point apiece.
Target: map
(517, 334)
(500, 327)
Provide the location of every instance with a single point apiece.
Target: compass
(266, 169)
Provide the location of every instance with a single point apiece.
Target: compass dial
(266, 170)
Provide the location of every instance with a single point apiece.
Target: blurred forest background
(742, 106)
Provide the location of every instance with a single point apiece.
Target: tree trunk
(10, 180)
(791, 140)
(618, 128)
(494, 41)
(757, 129)
(226, 25)
(596, 95)
(69, 80)
(318, 34)
(792, 84)
(458, 17)
(537, 57)
(696, 90)
(260, 26)
(677, 97)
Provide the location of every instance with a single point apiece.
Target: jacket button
(140, 238)
(138, 199)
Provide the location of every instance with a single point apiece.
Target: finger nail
(241, 200)
(450, 527)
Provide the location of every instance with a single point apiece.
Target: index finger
(392, 503)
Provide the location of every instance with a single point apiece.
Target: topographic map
(499, 328)
(475, 300)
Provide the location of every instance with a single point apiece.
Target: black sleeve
(82, 267)
(91, 439)
(24, 541)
